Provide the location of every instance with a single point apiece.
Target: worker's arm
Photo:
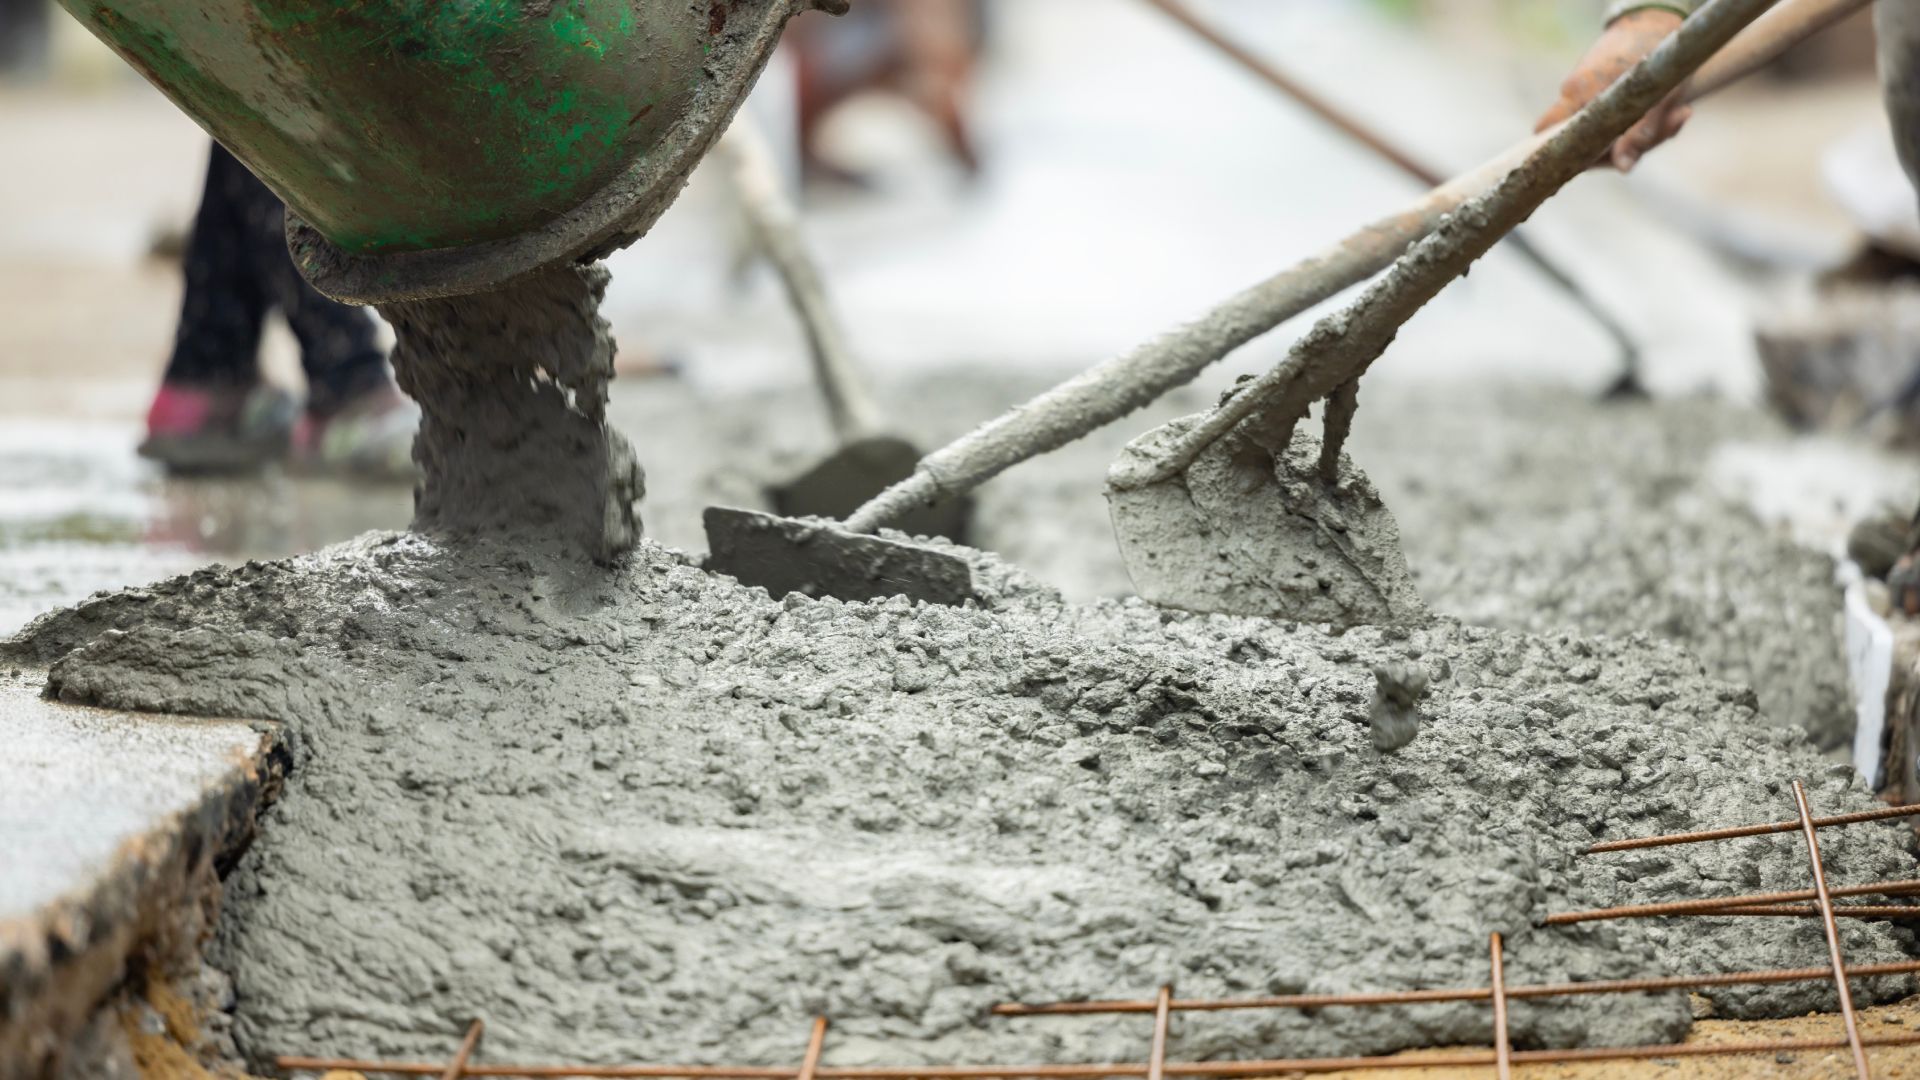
(1633, 30)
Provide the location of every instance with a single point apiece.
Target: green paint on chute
(399, 125)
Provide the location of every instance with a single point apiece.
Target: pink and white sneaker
(218, 429)
(369, 437)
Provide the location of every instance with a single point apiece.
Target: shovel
(819, 558)
(1230, 513)
(868, 458)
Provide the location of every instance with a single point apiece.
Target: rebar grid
(1501, 1058)
(1222, 1070)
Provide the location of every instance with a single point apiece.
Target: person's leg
(25, 34)
(212, 411)
(217, 340)
(939, 41)
(1897, 26)
(356, 419)
(339, 344)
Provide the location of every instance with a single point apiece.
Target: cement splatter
(1251, 527)
(513, 388)
(1395, 713)
(644, 813)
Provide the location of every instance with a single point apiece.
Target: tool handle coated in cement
(1399, 158)
(1340, 348)
(775, 225)
(1117, 387)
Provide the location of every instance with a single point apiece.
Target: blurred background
(1047, 184)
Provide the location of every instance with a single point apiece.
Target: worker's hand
(1628, 39)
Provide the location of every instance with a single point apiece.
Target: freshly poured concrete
(644, 813)
(1522, 506)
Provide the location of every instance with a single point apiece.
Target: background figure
(1898, 28)
(213, 410)
(24, 36)
(923, 50)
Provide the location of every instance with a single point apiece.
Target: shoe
(371, 437)
(218, 429)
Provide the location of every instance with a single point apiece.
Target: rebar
(1843, 911)
(1715, 904)
(1162, 1020)
(1502, 1053)
(816, 1043)
(1654, 984)
(457, 1068)
(1833, 932)
(1641, 842)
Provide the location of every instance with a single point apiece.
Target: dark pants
(1897, 24)
(237, 269)
(23, 36)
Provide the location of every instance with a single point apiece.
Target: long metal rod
(457, 1068)
(816, 1044)
(1833, 932)
(1162, 1021)
(1711, 905)
(1265, 1067)
(1641, 842)
(1476, 993)
(1349, 125)
(1502, 1053)
(1841, 911)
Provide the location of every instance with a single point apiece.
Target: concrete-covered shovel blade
(859, 470)
(818, 558)
(1248, 531)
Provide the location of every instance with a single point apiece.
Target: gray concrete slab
(80, 786)
(113, 827)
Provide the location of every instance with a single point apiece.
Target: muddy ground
(649, 814)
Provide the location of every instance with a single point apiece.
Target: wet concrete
(1523, 506)
(649, 739)
(576, 798)
(513, 440)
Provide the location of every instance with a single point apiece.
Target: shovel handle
(1114, 388)
(775, 225)
(1340, 348)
